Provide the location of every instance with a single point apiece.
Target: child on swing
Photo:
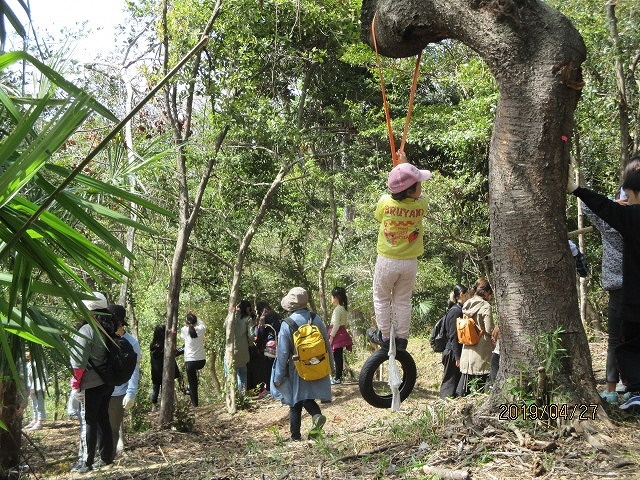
(400, 243)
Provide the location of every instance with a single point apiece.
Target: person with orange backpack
(475, 360)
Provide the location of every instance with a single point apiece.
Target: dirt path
(360, 442)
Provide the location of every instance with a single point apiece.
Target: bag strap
(312, 315)
(476, 325)
(293, 326)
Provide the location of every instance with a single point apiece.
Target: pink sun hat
(404, 175)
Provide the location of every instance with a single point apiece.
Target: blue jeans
(241, 374)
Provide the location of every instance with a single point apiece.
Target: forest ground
(362, 442)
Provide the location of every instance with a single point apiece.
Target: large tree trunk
(11, 416)
(535, 55)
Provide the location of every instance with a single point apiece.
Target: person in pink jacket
(339, 337)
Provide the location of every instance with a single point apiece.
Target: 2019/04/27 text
(554, 411)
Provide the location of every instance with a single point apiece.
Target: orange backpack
(468, 331)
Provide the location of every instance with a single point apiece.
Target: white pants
(393, 283)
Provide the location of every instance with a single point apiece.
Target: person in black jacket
(453, 350)
(267, 330)
(626, 220)
(157, 360)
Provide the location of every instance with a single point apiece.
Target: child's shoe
(375, 336)
(401, 343)
(316, 427)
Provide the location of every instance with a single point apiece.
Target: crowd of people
(261, 355)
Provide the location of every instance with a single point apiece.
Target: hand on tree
(401, 156)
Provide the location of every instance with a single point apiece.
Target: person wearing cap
(123, 396)
(399, 245)
(626, 220)
(611, 279)
(286, 384)
(90, 390)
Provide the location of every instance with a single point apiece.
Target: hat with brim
(405, 175)
(98, 302)
(296, 299)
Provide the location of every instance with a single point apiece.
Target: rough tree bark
(188, 209)
(535, 54)
(11, 416)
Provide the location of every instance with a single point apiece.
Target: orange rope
(385, 103)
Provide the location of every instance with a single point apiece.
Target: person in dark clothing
(266, 331)
(626, 220)
(453, 350)
(156, 349)
(90, 390)
(611, 278)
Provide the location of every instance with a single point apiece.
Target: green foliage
(139, 418)
(48, 254)
(296, 85)
(9, 14)
(536, 385)
(243, 400)
(549, 349)
(425, 429)
(184, 418)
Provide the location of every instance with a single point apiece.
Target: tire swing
(380, 394)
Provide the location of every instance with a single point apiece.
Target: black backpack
(121, 361)
(439, 338)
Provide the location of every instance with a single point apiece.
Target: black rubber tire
(368, 390)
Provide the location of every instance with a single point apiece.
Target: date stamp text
(554, 411)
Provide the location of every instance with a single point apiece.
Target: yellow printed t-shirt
(400, 233)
